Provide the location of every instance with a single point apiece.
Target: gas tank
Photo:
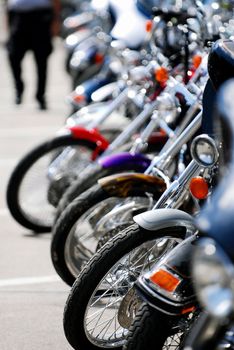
(130, 23)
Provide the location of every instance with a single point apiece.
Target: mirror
(204, 150)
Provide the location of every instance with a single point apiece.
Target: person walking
(32, 25)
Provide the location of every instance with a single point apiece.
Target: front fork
(174, 195)
(69, 155)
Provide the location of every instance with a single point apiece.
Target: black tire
(152, 330)
(65, 226)
(86, 180)
(88, 285)
(89, 178)
(18, 175)
(111, 234)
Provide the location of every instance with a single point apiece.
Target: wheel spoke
(103, 310)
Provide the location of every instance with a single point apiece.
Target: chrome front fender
(157, 219)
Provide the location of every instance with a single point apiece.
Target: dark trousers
(30, 31)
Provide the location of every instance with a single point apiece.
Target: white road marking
(28, 280)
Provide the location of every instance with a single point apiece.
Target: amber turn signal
(148, 26)
(161, 75)
(196, 61)
(165, 280)
(199, 187)
(188, 310)
(79, 98)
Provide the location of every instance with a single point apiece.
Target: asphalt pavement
(32, 297)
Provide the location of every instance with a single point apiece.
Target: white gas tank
(130, 23)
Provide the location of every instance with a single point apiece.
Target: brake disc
(128, 308)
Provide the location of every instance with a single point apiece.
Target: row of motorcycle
(137, 186)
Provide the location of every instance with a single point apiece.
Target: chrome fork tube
(195, 107)
(178, 186)
(182, 89)
(116, 103)
(141, 141)
(164, 159)
(131, 128)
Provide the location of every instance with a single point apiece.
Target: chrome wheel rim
(34, 188)
(84, 236)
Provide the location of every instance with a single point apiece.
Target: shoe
(42, 103)
(19, 92)
(18, 99)
(43, 106)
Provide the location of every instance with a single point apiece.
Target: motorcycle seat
(221, 62)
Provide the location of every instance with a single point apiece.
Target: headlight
(213, 274)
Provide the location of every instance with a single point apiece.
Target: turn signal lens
(79, 98)
(188, 310)
(148, 26)
(199, 187)
(165, 280)
(161, 75)
(197, 61)
(98, 58)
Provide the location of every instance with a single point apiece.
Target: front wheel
(80, 228)
(29, 190)
(102, 302)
